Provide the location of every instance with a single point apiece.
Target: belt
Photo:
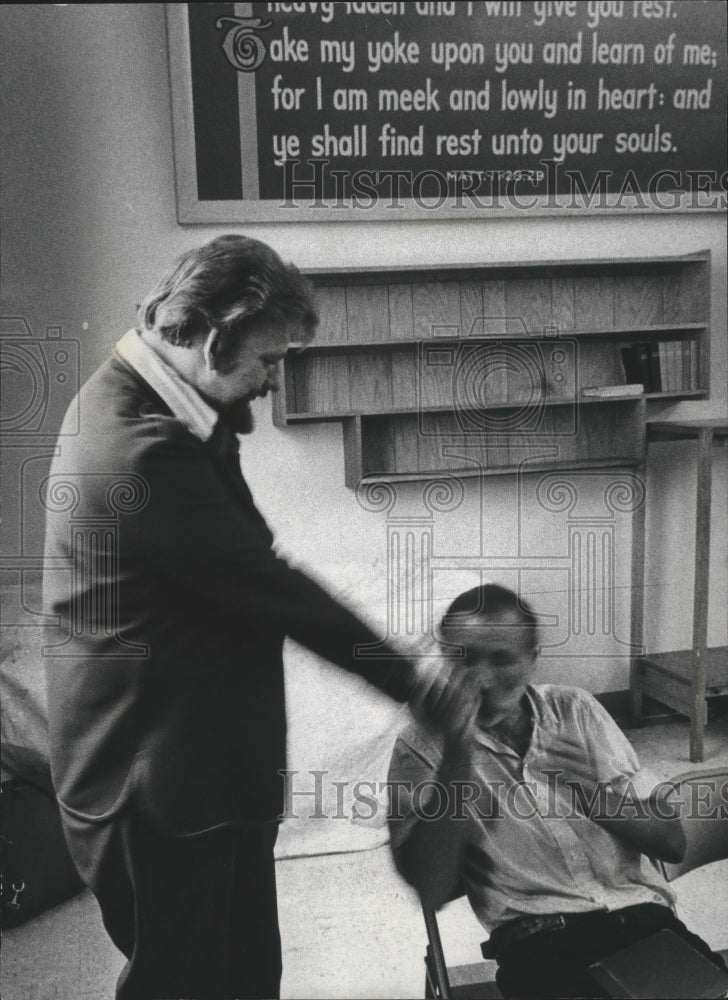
(514, 931)
(517, 930)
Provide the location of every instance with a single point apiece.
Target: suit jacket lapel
(225, 448)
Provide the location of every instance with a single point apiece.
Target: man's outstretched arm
(655, 828)
(429, 839)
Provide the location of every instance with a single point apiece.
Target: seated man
(535, 806)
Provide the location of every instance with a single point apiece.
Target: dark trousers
(552, 964)
(196, 918)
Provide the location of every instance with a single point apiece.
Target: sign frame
(191, 210)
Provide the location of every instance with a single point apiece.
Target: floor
(350, 927)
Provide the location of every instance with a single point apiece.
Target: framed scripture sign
(313, 111)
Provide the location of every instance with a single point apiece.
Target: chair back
(705, 820)
(437, 983)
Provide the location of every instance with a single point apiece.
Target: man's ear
(211, 349)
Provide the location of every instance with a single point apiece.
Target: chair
(706, 822)
(706, 832)
(463, 982)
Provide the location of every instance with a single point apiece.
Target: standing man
(165, 670)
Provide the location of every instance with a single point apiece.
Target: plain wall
(89, 221)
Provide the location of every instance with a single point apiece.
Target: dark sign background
(494, 150)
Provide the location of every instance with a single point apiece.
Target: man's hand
(653, 827)
(450, 704)
(579, 765)
(431, 857)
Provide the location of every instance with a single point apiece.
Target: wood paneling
(437, 371)
(401, 312)
(528, 305)
(323, 384)
(404, 378)
(492, 359)
(471, 308)
(371, 382)
(333, 327)
(494, 308)
(367, 314)
(563, 305)
(637, 300)
(437, 310)
(594, 303)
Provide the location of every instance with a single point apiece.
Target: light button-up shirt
(530, 847)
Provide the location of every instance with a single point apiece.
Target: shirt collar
(183, 399)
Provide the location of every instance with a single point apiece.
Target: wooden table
(685, 679)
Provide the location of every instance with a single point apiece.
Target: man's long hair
(230, 284)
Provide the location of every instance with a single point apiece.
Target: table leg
(698, 711)
(637, 612)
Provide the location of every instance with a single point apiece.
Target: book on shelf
(636, 362)
(674, 381)
(687, 377)
(662, 366)
(656, 384)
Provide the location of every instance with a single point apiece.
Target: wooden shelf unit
(433, 370)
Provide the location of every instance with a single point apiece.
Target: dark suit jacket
(165, 672)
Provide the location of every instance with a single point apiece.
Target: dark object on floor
(37, 871)
(661, 965)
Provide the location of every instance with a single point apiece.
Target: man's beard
(239, 417)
